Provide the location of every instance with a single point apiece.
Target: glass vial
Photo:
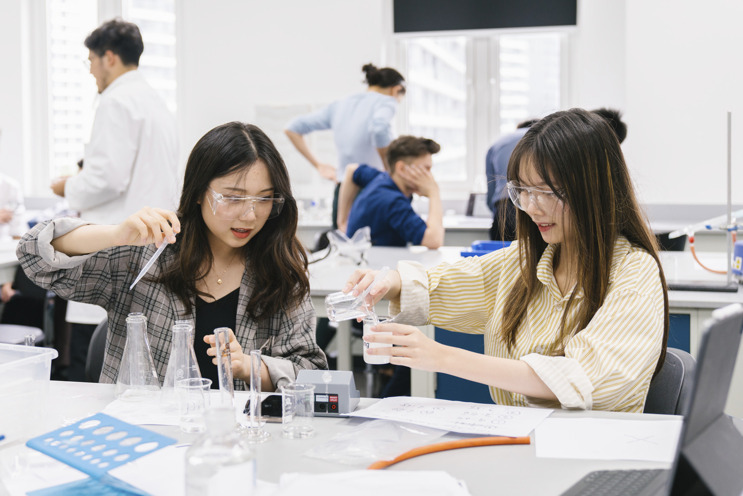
(220, 462)
(224, 367)
(137, 377)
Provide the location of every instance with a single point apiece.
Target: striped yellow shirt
(607, 365)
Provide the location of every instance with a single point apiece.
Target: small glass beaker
(344, 306)
(297, 410)
(137, 378)
(370, 322)
(193, 401)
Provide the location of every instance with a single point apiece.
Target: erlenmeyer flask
(182, 362)
(137, 377)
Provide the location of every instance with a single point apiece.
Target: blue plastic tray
(97, 444)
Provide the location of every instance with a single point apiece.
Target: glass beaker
(369, 322)
(137, 377)
(344, 306)
(182, 362)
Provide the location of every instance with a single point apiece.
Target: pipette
(149, 263)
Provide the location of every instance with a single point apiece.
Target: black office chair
(96, 351)
(670, 390)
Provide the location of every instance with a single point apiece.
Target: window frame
(483, 92)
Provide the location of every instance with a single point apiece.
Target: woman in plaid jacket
(233, 261)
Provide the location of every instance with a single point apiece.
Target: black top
(209, 316)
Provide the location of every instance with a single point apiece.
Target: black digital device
(270, 406)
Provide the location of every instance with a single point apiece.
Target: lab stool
(16, 334)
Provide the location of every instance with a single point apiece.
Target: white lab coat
(131, 160)
(11, 198)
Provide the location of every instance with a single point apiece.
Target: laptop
(709, 455)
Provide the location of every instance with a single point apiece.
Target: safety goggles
(235, 207)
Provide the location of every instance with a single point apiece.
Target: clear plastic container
(24, 388)
(220, 461)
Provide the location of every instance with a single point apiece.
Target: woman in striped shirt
(575, 312)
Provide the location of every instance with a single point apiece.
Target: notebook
(709, 453)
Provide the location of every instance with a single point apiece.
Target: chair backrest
(96, 351)
(670, 390)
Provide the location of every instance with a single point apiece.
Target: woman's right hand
(148, 225)
(361, 279)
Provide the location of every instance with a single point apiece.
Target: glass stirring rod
(149, 263)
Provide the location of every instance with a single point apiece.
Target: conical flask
(137, 378)
(182, 362)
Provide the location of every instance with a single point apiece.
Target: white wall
(597, 56)
(684, 73)
(236, 55)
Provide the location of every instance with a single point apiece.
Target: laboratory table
(510, 469)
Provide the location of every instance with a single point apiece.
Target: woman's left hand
(411, 347)
(240, 361)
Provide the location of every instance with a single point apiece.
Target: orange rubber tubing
(449, 445)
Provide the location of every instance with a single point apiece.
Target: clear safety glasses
(234, 207)
(522, 195)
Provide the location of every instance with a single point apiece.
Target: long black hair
(274, 255)
(578, 156)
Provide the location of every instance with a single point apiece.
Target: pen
(149, 263)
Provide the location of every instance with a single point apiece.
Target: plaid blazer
(103, 278)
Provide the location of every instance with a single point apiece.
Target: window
(71, 90)
(437, 107)
(467, 91)
(156, 21)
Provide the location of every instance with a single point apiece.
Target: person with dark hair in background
(131, 160)
(384, 202)
(361, 124)
(132, 157)
(496, 163)
(574, 312)
(233, 260)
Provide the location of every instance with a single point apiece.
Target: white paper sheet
(458, 416)
(604, 439)
(372, 483)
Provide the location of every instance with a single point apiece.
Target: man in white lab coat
(131, 160)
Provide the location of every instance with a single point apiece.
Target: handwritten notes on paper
(457, 416)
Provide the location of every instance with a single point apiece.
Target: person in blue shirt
(361, 125)
(496, 163)
(384, 203)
